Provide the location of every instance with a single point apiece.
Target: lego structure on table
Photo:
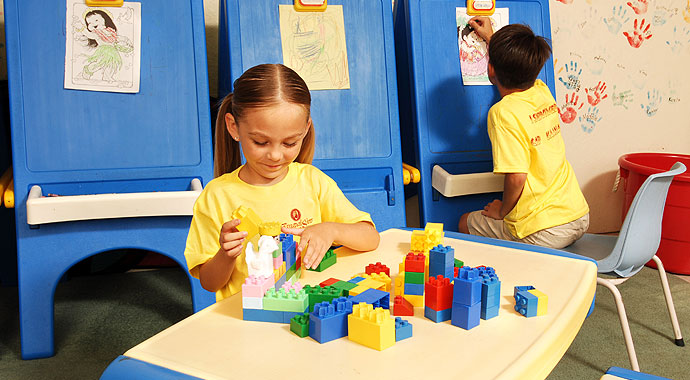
(530, 302)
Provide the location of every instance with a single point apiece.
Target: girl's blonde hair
(260, 86)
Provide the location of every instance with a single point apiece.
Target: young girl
(268, 117)
(101, 34)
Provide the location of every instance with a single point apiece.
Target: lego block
(403, 329)
(401, 306)
(382, 277)
(459, 263)
(491, 291)
(328, 282)
(414, 262)
(344, 286)
(278, 253)
(376, 297)
(328, 321)
(467, 287)
(415, 300)
(489, 312)
(414, 277)
(252, 302)
(438, 293)
(414, 289)
(418, 241)
(434, 233)
(277, 262)
(299, 324)
(359, 289)
(327, 261)
(455, 272)
(437, 315)
(526, 303)
(377, 268)
(518, 289)
(288, 315)
(542, 301)
(286, 301)
(257, 286)
(269, 229)
(260, 315)
(441, 261)
(249, 222)
(317, 294)
(371, 327)
(356, 279)
(464, 316)
(279, 282)
(372, 284)
(289, 285)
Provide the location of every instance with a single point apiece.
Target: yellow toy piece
(310, 5)
(371, 327)
(104, 3)
(542, 301)
(481, 7)
(358, 290)
(399, 288)
(8, 197)
(382, 277)
(434, 234)
(250, 222)
(415, 300)
(418, 241)
(414, 174)
(269, 229)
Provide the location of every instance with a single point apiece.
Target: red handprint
(639, 35)
(639, 6)
(565, 1)
(595, 96)
(568, 112)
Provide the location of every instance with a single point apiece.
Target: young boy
(542, 202)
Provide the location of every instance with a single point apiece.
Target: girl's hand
(317, 238)
(231, 239)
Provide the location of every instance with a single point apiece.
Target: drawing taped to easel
(473, 49)
(103, 47)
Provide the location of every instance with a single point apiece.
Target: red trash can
(674, 250)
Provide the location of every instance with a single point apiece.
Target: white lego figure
(260, 263)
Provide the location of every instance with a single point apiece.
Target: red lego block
(401, 306)
(414, 263)
(438, 293)
(377, 268)
(328, 282)
(455, 272)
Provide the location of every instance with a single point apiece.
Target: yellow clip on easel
(104, 3)
(310, 5)
(481, 7)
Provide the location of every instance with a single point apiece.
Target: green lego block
(299, 324)
(459, 263)
(414, 277)
(290, 272)
(279, 251)
(328, 259)
(345, 286)
(285, 301)
(318, 294)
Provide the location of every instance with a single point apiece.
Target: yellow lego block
(359, 289)
(382, 277)
(399, 288)
(415, 300)
(434, 234)
(372, 284)
(418, 241)
(542, 301)
(371, 327)
(250, 222)
(269, 229)
(282, 268)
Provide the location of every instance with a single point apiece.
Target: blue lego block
(328, 321)
(441, 261)
(356, 280)
(376, 297)
(414, 289)
(488, 312)
(403, 329)
(491, 291)
(281, 281)
(467, 287)
(437, 316)
(518, 289)
(260, 315)
(526, 303)
(465, 316)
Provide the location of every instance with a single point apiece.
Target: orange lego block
(371, 327)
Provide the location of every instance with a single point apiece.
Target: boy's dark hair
(517, 55)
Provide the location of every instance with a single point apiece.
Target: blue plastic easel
(357, 130)
(443, 122)
(156, 142)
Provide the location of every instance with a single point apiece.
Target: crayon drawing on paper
(102, 48)
(473, 49)
(314, 46)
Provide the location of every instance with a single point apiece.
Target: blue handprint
(653, 103)
(617, 19)
(680, 39)
(572, 74)
(590, 119)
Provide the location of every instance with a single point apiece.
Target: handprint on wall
(568, 111)
(619, 17)
(621, 98)
(596, 94)
(639, 6)
(588, 120)
(679, 40)
(686, 12)
(638, 34)
(572, 77)
(653, 103)
(565, 1)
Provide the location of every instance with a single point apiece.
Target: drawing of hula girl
(100, 33)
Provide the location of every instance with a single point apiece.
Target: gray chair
(624, 255)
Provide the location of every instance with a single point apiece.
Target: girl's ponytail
(226, 151)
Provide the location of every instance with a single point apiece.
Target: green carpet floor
(99, 317)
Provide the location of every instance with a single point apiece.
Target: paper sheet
(314, 46)
(103, 47)
(473, 49)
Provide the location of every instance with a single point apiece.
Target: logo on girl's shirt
(295, 214)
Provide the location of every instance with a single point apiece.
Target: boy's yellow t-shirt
(525, 132)
(304, 197)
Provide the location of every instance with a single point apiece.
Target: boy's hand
(493, 210)
(317, 238)
(231, 239)
(482, 26)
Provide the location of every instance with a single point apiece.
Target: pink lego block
(257, 286)
(296, 286)
(277, 262)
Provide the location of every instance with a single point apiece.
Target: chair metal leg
(669, 302)
(624, 321)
